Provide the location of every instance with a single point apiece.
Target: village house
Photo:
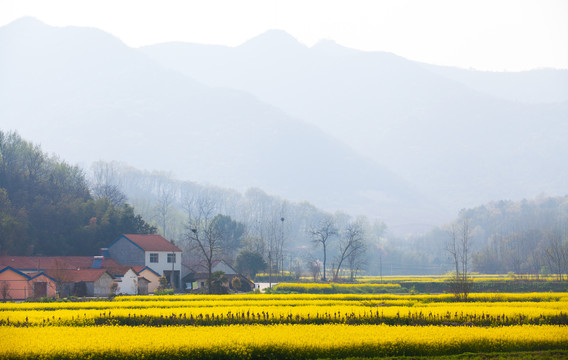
(72, 275)
(196, 280)
(153, 251)
(84, 282)
(134, 262)
(127, 283)
(134, 280)
(16, 285)
(149, 275)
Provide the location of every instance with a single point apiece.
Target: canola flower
(350, 297)
(283, 326)
(494, 316)
(289, 309)
(285, 299)
(275, 341)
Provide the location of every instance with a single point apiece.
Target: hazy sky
(481, 34)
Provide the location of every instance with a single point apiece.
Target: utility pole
(172, 277)
(269, 269)
(381, 266)
(281, 248)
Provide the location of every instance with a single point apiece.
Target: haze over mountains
(460, 136)
(369, 133)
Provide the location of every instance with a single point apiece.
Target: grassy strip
(523, 355)
(489, 286)
(332, 288)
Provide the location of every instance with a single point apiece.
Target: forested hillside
(46, 207)
(523, 237)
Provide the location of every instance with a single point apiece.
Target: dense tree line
(250, 223)
(46, 206)
(523, 237)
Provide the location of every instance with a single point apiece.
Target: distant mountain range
(460, 136)
(364, 132)
(84, 95)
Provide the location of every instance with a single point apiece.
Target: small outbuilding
(150, 275)
(84, 282)
(127, 282)
(16, 285)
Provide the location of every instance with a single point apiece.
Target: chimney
(105, 253)
(97, 262)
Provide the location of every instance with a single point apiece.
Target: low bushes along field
(332, 288)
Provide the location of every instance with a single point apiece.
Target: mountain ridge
(403, 114)
(121, 105)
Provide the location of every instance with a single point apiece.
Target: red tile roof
(39, 263)
(86, 262)
(87, 275)
(35, 263)
(152, 242)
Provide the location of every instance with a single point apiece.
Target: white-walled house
(127, 283)
(153, 251)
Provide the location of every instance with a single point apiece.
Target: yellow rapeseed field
(256, 312)
(283, 326)
(489, 309)
(280, 341)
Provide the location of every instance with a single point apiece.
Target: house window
(171, 258)
(154, 258)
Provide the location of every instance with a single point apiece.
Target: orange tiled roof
(87, 275)
(152, 242)
(40, 263)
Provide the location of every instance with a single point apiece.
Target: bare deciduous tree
(5, 290)
(166, 196)
(296, 269)
(322, 234)
(203, 235)
(62, 275)
(556, 254)
(459, 249)
(314, 268)
(106, 183)
(358, 258)
(352, 243)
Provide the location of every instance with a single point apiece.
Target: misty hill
(83, 94)
(525, 237)
(457, 135)
(535, 86)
